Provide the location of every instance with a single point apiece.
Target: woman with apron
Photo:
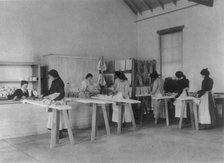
(207, 112)
(56, 93)
(182, 91)
(157, 90)
(121, 90)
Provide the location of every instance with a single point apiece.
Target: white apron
(62, 124)
(203, 111)
(158, 107)
(127, 115)
(178, 104)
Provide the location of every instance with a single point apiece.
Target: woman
(182, 91)
(88, 88)
(157, 90)
(207, 112)
(121, 90)
(56, 93)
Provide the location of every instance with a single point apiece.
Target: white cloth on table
(204, 114)
(179, 105)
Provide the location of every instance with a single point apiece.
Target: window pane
(171, 53)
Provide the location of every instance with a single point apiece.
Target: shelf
(18, 64)
(17, 81)
(15, 72)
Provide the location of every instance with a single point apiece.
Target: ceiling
(139, 6)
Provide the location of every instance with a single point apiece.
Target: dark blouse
(57, 86)
(207, 85)
(19, 94)
(181, 85)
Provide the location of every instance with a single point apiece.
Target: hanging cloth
(101, 66)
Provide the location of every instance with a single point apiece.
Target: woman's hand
(47, 101)
(44, 97)
(23, 97)
(41, 96)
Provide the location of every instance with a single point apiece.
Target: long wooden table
(95, 103)
(121, 103)
(57, 109)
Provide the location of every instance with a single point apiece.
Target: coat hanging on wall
(101, 66)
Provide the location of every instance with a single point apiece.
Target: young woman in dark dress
(207, 111)
(56, 92)
(57, 85)
(182, 83)
(182, 91)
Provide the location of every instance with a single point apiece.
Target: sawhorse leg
(155, 110)
(182, 114)
(55, 128)
(67, 122)
(106, 119)
(120, 117)
(132, 117)
(94, 123)
(167, 112)
(190, 104)
(195, 109)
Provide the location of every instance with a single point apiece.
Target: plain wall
(203, 39)
(31, 28)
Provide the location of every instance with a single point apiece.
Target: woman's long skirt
(126, 117)
(207, 112)
(62, 124)
(158, 107)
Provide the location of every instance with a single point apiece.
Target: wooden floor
(151, 143)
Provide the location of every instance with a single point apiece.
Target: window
(171, 51)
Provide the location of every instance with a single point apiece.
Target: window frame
(169, 31)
